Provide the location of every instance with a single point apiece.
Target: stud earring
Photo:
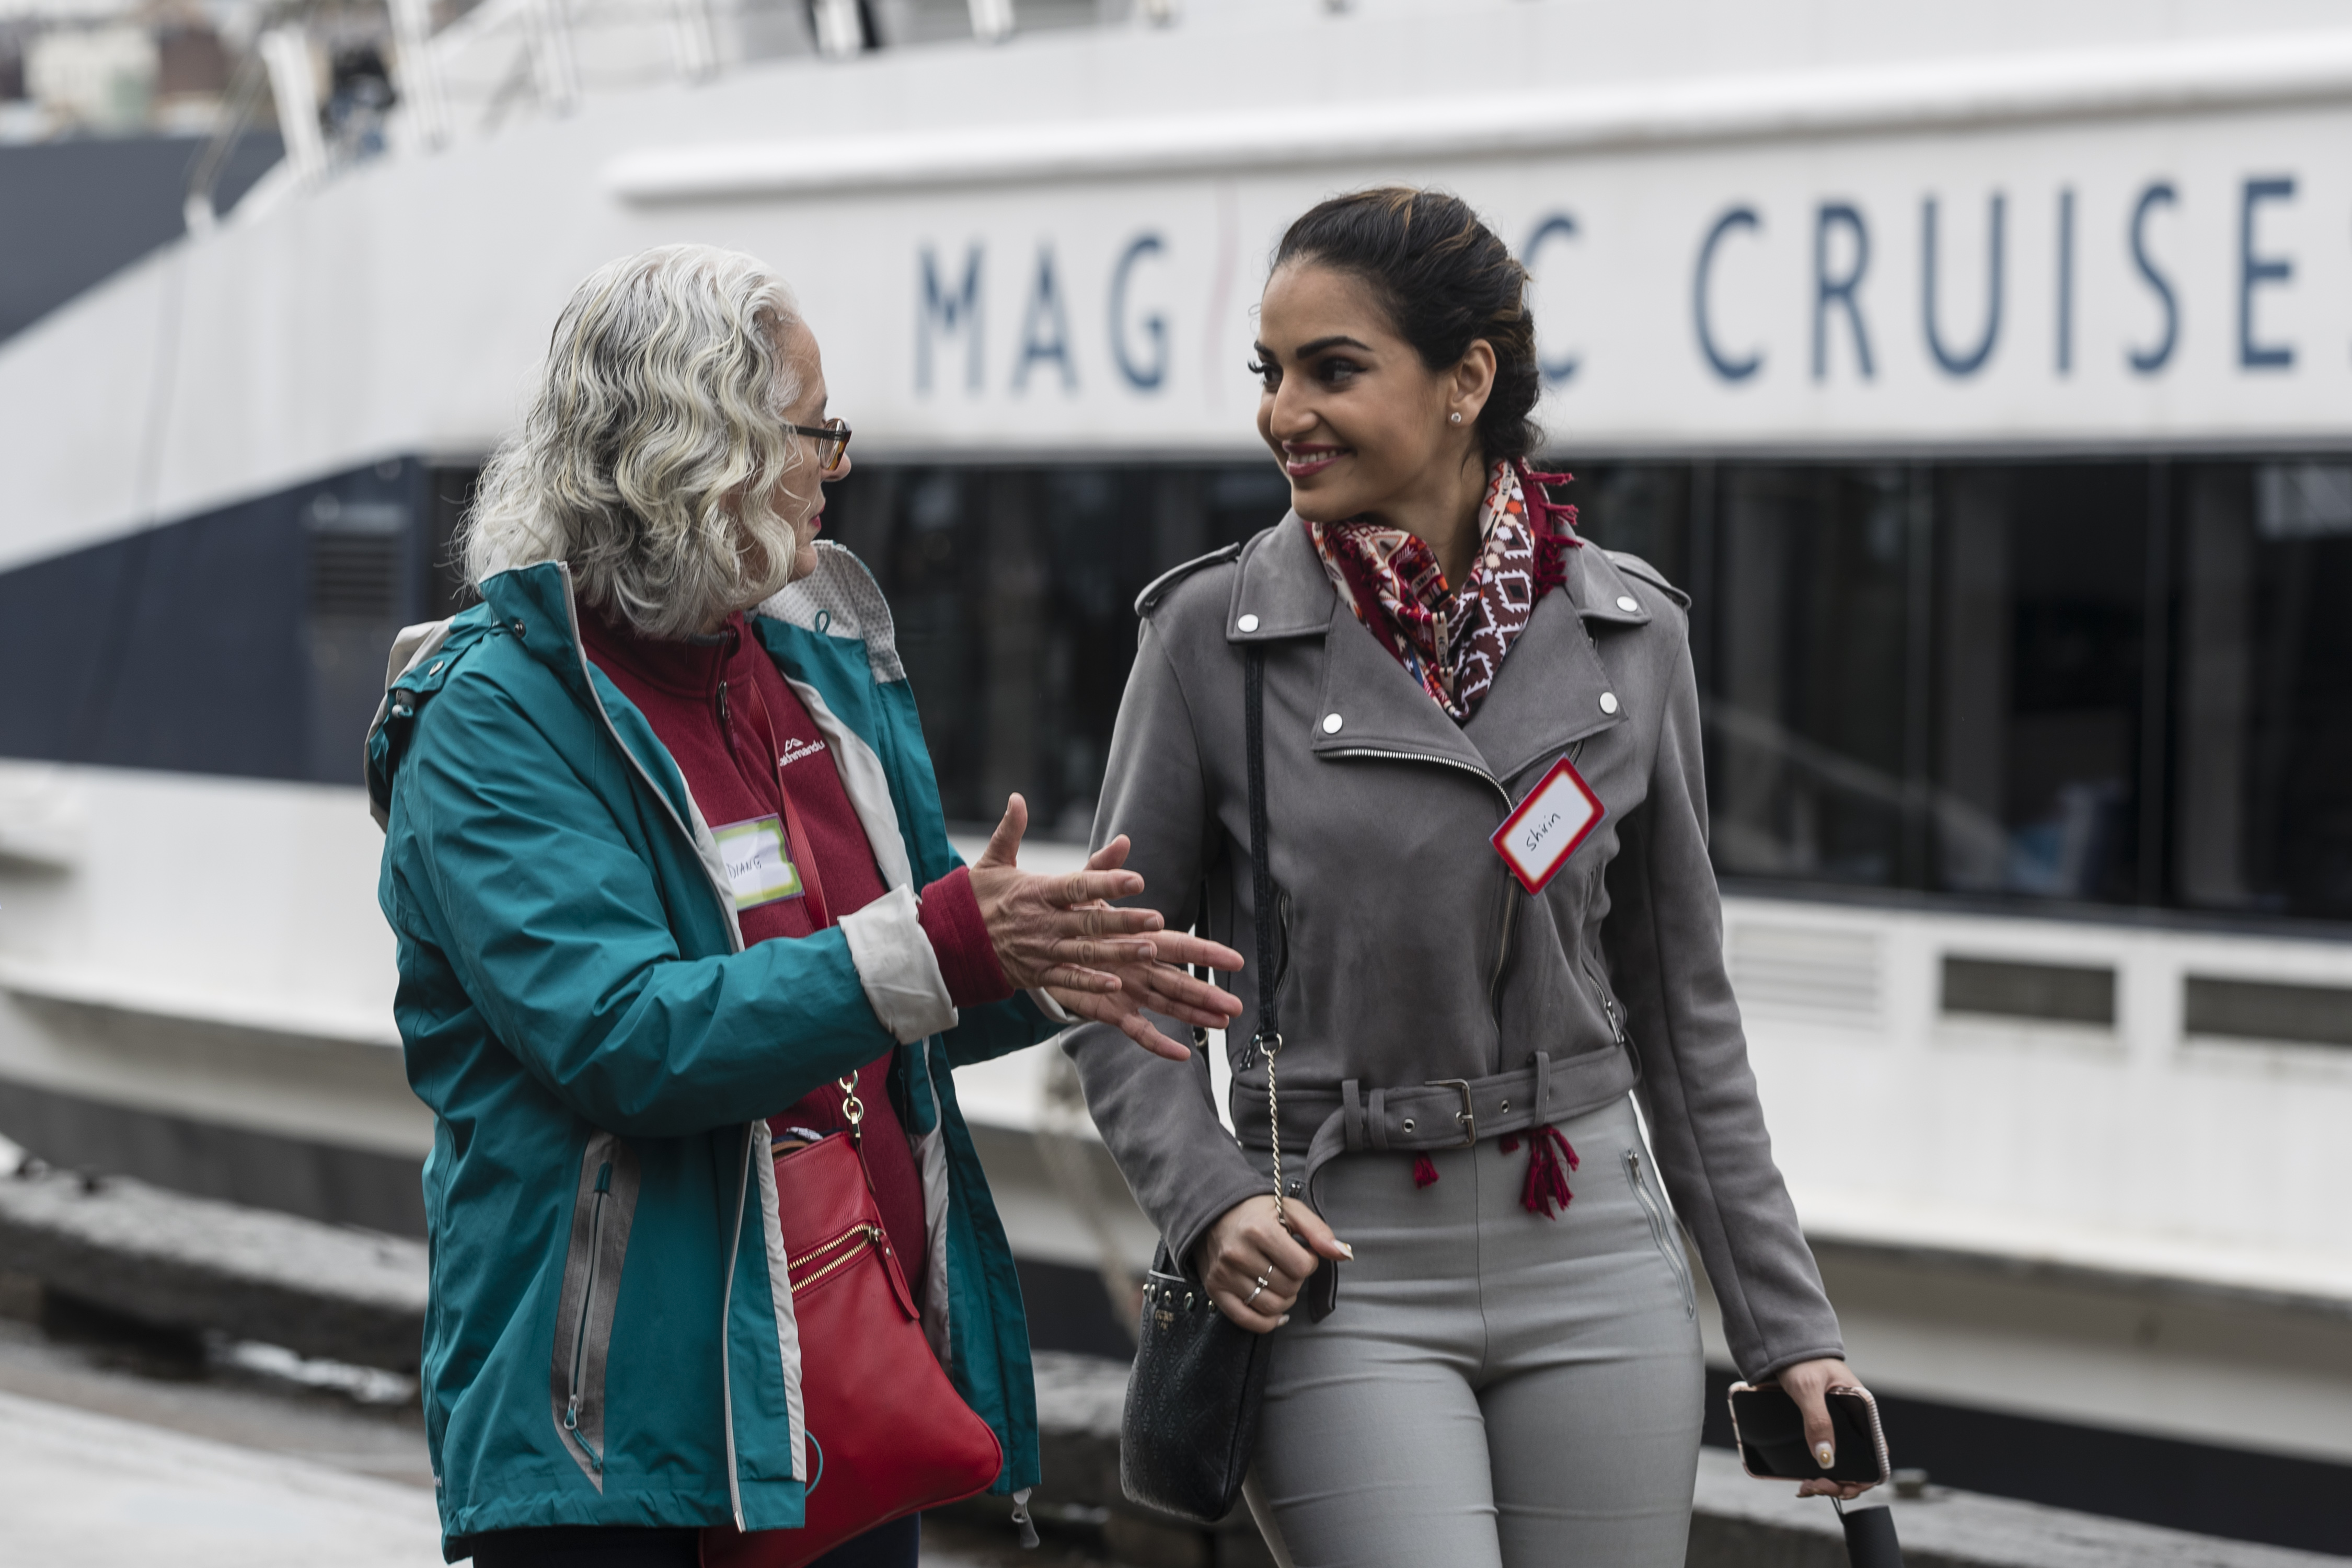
(1456, 418)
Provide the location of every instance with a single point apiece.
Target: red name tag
(1559, 813)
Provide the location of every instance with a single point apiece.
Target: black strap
(1269, 1025)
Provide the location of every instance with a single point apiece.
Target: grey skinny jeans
(1496, 1389)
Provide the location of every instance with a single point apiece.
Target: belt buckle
(1467, 1117)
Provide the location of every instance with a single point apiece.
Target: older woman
(663, 868)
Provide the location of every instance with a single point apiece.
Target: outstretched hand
(1156, 985)
(1100, 962)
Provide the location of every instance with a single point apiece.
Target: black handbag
(1189, 1427)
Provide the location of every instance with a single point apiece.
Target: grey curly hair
(650, 447)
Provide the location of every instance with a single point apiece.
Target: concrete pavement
(84, 1490)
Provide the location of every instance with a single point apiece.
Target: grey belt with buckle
(1454, 1112)
(1451, 1113)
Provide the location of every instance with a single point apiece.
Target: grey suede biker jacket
(1408, 953)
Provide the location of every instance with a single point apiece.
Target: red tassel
(1547, 1182)
(1424, 1171)
(1509, 1142)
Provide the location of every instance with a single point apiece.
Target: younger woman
(1511, 1375)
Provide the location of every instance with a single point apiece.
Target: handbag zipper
(587, 1295)
(839, 1252)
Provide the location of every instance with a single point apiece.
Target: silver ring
(1254, 1292)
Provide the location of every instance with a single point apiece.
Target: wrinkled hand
(1248, 1243)
(1100, 962)
(1057, 930)
(1155, 983)
(1807, 1382)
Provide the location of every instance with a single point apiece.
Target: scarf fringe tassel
(1553, 525)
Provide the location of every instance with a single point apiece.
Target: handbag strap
(820, 912)
(1268, 1039)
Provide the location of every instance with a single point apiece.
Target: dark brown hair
(1446, 282)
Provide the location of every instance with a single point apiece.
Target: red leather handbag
(887, 1433)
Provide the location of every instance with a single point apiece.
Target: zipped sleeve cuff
(897, 968)
(960, 940)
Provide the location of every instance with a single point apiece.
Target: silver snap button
(1608, 702)
(1506, 1108)
(1331, 722)
(1247, 623)
(1408, 1124)
(1627, 602)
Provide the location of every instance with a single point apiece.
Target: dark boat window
(1804, 703)
(2044, 575)
(2263, 752)
(2023, 684)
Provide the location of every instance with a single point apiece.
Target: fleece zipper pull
(1021, 1518)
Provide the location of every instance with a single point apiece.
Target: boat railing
(500, 61)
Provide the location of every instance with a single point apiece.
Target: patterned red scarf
(1453, 641)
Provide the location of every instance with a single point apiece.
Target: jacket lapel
(1369, 707)
(1549, 692)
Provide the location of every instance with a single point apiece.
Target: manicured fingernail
(1825, 1454)
(1282, 1320)
(1346, 1251)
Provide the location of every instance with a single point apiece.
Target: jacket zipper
(588, 1295)
(1511, 918)
(725, 897)
(1503, 948)
(1660, 1232)
(1608, 1005)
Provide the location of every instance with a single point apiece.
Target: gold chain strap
(1269, 1049)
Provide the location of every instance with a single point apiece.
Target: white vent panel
(1805, 971)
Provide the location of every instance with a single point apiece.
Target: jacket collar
(1281, 589)
(1547, 697)
(1601, 589)
(535, 605)
(1549, 693)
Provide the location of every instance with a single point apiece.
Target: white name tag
(1537, 839)
(758, 866)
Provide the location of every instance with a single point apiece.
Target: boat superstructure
(1984, 376)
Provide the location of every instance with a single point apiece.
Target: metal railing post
(840, 30)
(294, 83)
(991, 20)
(554, 68)
(420, 73)
(694, 40)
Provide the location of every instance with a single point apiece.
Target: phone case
(1770, 1435)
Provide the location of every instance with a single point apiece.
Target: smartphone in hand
(1770, 1431)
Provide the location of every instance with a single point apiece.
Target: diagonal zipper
(839, 1253)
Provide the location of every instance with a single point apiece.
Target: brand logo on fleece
(797, 749)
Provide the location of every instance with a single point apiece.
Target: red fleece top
(693, 693)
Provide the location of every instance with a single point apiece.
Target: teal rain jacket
(610, 1338)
